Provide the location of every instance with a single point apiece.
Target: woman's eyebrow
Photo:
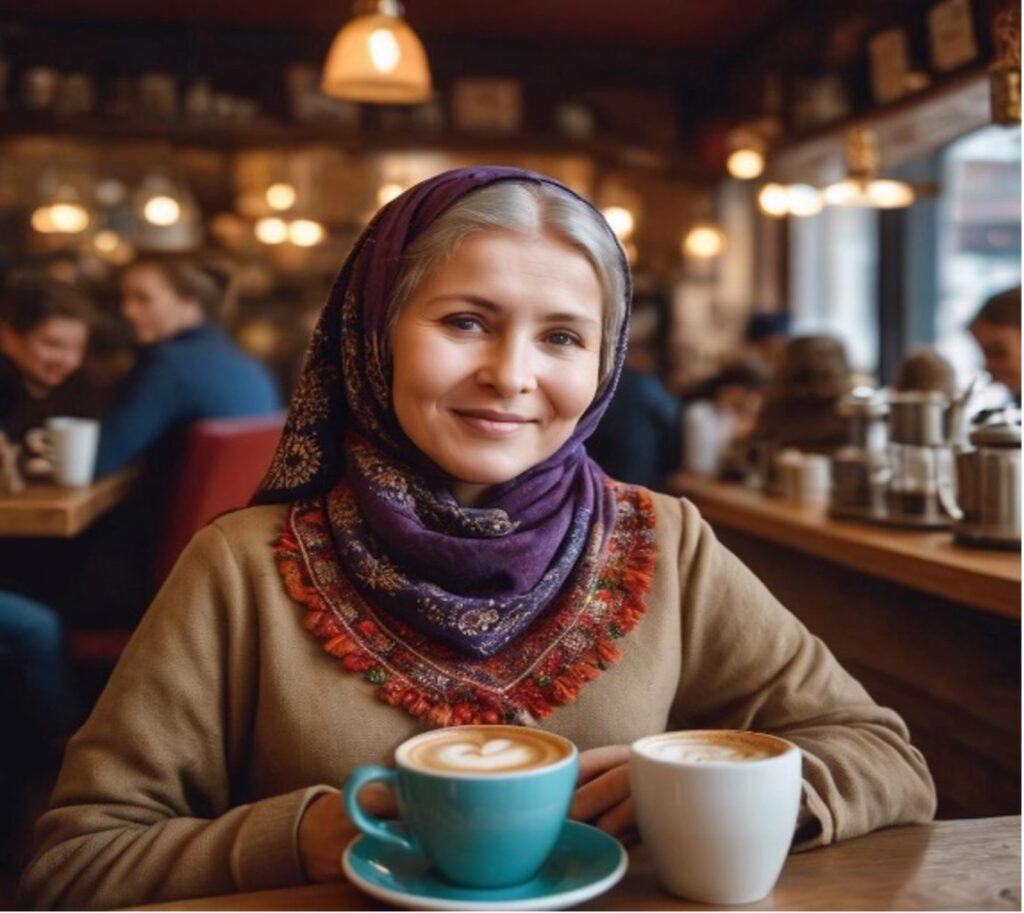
(488, 305)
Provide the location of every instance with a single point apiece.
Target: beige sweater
(225, 717)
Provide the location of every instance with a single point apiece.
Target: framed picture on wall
(889, 62)
(951, 34)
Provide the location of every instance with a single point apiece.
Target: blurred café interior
(821, 205)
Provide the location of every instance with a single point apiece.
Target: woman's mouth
(497, 424)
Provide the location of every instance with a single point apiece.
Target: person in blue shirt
(188, 368)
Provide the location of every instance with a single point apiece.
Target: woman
(189, 369)
(442, 544)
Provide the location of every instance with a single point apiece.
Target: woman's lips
(491, 423)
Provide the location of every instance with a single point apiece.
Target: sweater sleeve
(150, 803)
(153, 402)
(748, 663)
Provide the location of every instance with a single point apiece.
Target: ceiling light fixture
(377, 58)
(862, 187)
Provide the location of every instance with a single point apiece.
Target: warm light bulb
(803, 200)
(745, 164)
(68, 218)
(621, 221)
(280, 196)
(890, 194)
(305, 232)
(388, 192)
(384, 50)
(106, 241)
(704, 241)
(847, 192)
(42, 221)
(271, 230)
(773, 200)
(161, 210)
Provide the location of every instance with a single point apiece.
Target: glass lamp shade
(377, 58)
(875, 193)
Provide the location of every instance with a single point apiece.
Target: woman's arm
(151, 404)
(150, 804)
(748, 663)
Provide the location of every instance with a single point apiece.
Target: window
(978, 235)
(834, 279)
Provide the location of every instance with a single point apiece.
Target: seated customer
(188, 369)
(44, 334)
(721, 415)
(996, 329)
(926, 371)
(800, 403)
(433, 546)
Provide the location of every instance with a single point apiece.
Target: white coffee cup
(815, 478)
(73, 444)
(716, 810)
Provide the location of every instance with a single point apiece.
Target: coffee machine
(860, 469)
(989, 484)
(921, 488)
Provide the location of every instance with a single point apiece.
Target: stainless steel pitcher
(989, 485)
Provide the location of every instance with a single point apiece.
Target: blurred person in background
(188, 369)
(996, 329)
(638, 438)
(927, 371)
(44, 336)
(721, 415)
(766, 336)
(800, 403)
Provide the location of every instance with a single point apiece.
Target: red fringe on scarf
(607, 604)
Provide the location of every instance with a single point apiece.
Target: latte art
(710, 746)
(483, 750)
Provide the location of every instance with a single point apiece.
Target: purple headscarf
(470, 577)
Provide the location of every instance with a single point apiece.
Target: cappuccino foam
(710, 746)
(483, 750)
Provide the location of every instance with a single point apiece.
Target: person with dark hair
(188, 369)
(44, 335)
(766, 335)
(800, 403)
(722, 412)
(996, 329)
(927, 371)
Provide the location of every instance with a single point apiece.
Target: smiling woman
(433, 522)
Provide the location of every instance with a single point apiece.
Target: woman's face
(496, 357)
(153, 309)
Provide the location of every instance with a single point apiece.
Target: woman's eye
(562, 338)
(463, 322)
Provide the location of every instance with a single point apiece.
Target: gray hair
(527, 208)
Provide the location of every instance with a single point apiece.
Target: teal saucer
(584, 863)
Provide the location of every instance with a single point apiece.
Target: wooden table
(45, 509)
(947, 865)
(985, 579)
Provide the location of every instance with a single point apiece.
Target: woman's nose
(508, 367)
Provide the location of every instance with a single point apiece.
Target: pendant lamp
(377, 58)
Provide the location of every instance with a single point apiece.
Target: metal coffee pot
(860, 469)
(989, 484)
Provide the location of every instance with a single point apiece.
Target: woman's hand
(602, 797)
(325, 830)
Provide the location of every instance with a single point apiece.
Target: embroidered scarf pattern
(546, 666)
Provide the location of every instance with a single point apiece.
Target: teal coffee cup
(485, 804)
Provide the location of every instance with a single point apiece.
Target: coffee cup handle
(368, 824)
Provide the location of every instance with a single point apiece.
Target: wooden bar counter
(947, 865)
(930, 628)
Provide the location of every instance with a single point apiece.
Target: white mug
(73, 443)
(716, 810)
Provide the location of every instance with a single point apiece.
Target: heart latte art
(483, 750)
